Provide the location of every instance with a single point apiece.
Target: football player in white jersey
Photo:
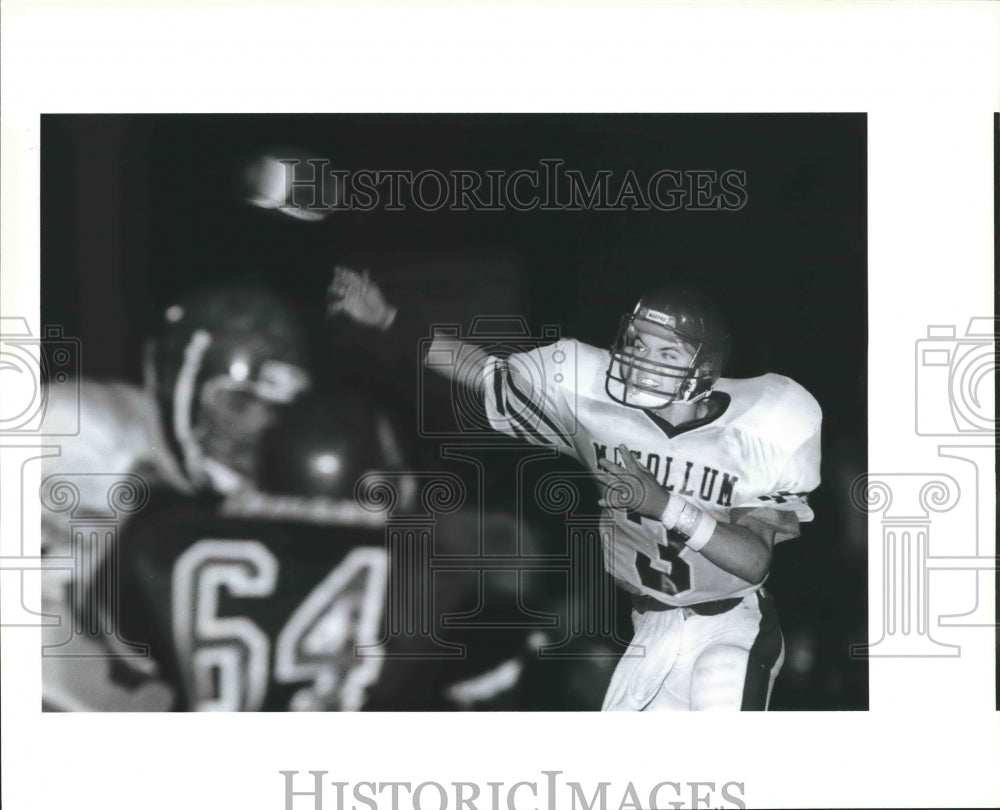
(702, 476)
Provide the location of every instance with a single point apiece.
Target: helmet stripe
(184, 392)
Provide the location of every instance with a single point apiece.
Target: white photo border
(928, 78)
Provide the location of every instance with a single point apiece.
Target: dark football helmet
(226, 362)
(643, 382)
(325, 445)
(328, 447)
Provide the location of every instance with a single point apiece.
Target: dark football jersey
(297, 605)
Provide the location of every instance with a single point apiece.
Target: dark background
(138, 209)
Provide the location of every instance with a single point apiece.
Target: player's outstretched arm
(356, 296)
(740, 550)
(467, 364)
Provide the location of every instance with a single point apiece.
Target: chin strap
(224, 480)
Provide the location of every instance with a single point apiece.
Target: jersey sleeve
(92, 427)
(103, 431)
(524, 398)
(786, 505)
(90, 440)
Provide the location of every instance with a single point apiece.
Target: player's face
(662, 347)
(231, 423)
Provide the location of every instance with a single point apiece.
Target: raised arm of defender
(355, 295)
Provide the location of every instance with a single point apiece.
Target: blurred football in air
(291, 182)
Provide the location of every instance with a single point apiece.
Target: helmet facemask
(226, 364)
(231, 416)
(644, 382)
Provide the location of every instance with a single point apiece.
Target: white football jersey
(762, 450)
(118, 433)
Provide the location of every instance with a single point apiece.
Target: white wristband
(672, 512)
(702, 533)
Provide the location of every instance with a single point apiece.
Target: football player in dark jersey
(322, 589)
(222, 365)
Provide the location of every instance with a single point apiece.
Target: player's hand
(631, 487)
(359, 298)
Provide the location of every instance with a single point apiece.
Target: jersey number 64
(330, 641)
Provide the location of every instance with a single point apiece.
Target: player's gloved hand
(632, 487)
(359, 298)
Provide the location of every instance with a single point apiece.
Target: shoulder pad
(565, 363)
(773, 407)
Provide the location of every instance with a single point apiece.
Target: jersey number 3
(670, 574)
(329, 641)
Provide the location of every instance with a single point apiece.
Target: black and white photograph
(445, 412)
(473, 407)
